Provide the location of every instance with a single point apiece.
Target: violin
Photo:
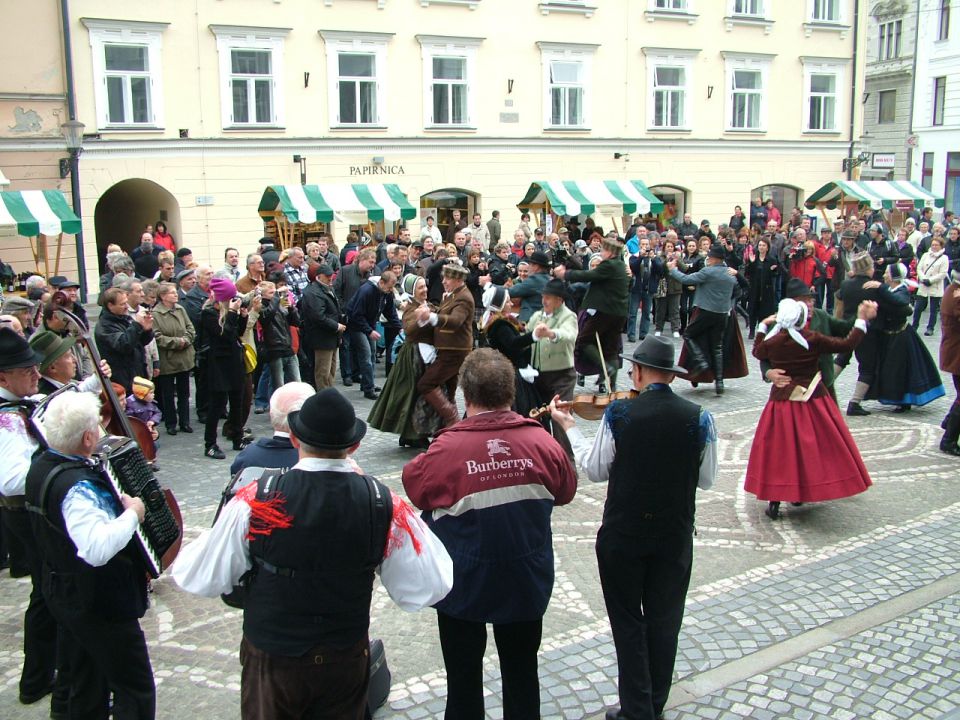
(115, 420)
(587, 405)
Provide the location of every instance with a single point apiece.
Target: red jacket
(487, 487)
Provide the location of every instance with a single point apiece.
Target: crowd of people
(514, 325)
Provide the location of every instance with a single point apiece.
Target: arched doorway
(124, 210)
(441, 204)
(674, 199)
(785, 197)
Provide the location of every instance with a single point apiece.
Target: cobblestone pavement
(839, 610)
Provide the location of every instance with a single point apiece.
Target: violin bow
(603, 363)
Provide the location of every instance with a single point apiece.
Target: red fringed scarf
(265, 515)
(402, 523)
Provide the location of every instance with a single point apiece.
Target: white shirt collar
(311, 464)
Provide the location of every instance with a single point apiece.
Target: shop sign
(376, 170)
(884, 161)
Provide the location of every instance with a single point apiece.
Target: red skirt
(803, 452)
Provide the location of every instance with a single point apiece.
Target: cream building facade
(192, 110)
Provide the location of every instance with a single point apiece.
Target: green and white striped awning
(38, 212)
(350, 203)
(875, 193)
(586, 197)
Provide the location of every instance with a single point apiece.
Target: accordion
(123, 464)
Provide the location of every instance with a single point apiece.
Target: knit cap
(223, 289)
(141, 387)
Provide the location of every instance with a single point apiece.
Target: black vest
(313, 582)
(117, 590)
(654, 475)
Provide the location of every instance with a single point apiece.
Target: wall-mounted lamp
(306, 79)
(301, 160)
(377, 160)
(73, 136)
(625, 156)
(509, 86)
(709, 91)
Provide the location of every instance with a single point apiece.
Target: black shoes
(419, 444)
(900, 409)
(186, 428)
(214, 451)
(172, 430)
(347, 382)
(950, 448)
(718, 387)
(773, 510)
(29, 698)
(580, 379)
(259, 410)
(371, 394)
(854, 409)
(240, 444)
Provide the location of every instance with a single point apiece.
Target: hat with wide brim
(655, 352)
(555, 287)
(797, 288)
(15, 352)
(538, 257)
(327, 421)
(50, 346)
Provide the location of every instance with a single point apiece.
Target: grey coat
(714, 287)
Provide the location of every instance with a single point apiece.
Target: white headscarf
(495, 298)
(791, 316)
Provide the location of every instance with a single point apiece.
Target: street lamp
(73, 136)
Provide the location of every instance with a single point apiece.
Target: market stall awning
(350, 203)
(38, 212)
(586, 197)
(875, 193)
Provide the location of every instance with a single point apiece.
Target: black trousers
(173, 391)
(201, 396)
(644, 584)
(704, 337)
(463, 643)
(39, 625)
(217, 404)
(107, 655)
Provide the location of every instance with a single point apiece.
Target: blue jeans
(284, 370)
(639, 303)
(362, 356)
(261, 399)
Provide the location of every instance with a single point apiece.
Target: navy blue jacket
(366, 307)
(272, 452)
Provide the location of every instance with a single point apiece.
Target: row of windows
(129, 85)
(951, 189)
(887, 103)
(829, 11)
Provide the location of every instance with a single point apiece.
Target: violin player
(645, 541)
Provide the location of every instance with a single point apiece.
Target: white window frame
(682, 6)
(673, 58)
(336, 42)
(754, 62)
(127, 32)
(760, 14)
(437, 46)
(236, 37)
(822, 66)
(684, 13)
(567, 52)
(814, 5)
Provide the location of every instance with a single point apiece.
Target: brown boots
(447, 411)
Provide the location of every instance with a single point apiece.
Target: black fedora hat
(555, 287)
(717, 252)
(15, 352)
(538, 257)
(655, 352)
(797, 288)
(327, 421)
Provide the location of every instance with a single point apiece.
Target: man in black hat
(606, 304)
(317, 534)
(714, 298)
(19, 376)
(71, 288)
(645, 542)
(530, 290)
(818, 321)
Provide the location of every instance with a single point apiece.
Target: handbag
(249, 358)
(661, 288)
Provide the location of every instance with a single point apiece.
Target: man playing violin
(645, 542)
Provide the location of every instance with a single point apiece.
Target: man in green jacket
(606, 307)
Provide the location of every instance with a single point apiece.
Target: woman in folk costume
(502, 331)
(906, 374)
(394, 410)
(802, 450)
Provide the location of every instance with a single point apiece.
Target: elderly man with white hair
(276, 451)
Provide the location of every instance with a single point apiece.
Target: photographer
(121, 338)
(804, 263)
(641, 293)
(499, 267)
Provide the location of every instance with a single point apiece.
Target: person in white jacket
(931, 273)
(311, 540)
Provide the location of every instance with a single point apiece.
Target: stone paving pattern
(756, 585)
